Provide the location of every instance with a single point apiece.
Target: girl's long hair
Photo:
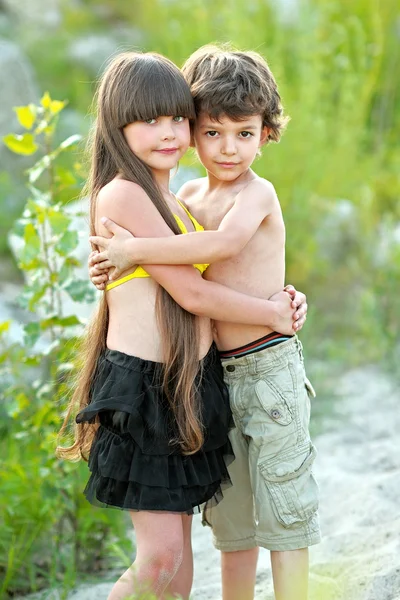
(137, 87)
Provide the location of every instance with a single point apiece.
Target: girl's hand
(114, 252)
(299, 303)
(283, 313)
(98, 276)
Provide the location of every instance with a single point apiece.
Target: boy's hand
(283, 313)
(98, 276)
(299, 303)
(114, 253)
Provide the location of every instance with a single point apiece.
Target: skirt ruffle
(132, 461)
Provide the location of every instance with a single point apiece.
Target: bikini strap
(196, 225)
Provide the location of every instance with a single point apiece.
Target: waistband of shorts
(269, 357)
(141, 365)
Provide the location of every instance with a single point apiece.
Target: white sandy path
(358, 469)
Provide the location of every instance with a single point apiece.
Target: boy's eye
(150, 121)
(178, 119)
(212, 133)
(245, 134)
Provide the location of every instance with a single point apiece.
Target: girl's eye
(212, 134)
(245, 134)
(150, 121)
(178, 119)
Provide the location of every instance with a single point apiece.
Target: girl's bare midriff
(133, 327)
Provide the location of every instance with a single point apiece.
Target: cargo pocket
(273, 403)
(291, 485)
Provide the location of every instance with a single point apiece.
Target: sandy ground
(358, 468)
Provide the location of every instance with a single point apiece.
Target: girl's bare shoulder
(121, 192)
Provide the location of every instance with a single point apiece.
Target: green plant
(48, 533)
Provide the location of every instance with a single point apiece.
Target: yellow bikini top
(140, 272)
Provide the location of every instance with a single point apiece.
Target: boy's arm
(238, 226)
(184, 283)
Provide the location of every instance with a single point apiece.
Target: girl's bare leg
(159, 539)
(181, 584)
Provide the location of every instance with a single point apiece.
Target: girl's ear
(264, 135)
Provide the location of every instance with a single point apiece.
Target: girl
(154, 413)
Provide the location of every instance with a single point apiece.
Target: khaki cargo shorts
(274, 498)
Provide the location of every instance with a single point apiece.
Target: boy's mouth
(227, 165)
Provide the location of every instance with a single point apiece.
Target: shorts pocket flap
(289, 467)
(291, 486)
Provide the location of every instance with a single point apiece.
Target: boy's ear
(264, 135)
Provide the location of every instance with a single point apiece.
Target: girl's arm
(252, 206)
(126, 202)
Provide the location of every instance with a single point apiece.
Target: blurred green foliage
(49, 533)
(336, 169)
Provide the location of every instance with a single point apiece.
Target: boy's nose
(228, 146)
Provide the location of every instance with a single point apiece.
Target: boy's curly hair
(225, 81)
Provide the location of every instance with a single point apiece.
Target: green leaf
(31, 236)
(32, 304)
(81, 290)
(21, 402)
(32, 361)
(61, 321)
(26, 115)
(31, 333)
(67, 243)
(65, 177)
(31, 249)
(59, 221)
(21, 144)
(37, 209)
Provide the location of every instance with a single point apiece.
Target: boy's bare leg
(239, 574)
(290, 574)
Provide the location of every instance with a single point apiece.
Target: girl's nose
(168, 132)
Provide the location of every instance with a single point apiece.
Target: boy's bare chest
(264, 253)
(210, 210)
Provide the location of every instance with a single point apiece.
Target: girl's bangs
(162, 92)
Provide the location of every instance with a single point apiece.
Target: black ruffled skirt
(133, 461)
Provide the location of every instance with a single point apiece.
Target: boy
(273, 501)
